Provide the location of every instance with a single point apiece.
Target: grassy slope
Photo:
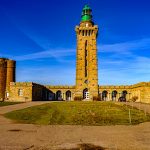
(8, 103)
(78, 113)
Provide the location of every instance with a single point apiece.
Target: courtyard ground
(80, 113)
(28, 136)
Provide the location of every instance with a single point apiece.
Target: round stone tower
(11, 72)
(3, 72)
(7, 75)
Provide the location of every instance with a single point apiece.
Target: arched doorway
(58, 95)
(123, 96)
(104, 95)
(68, 95)
(114, 95)
(86, 94)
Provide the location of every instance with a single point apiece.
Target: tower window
(79, 32)
(86, 62)
(86, 81)
(7, 95)
(20, 92)
(82, 32)
(86, 33)
(89, 32)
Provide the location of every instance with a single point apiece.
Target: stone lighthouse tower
(86, 58)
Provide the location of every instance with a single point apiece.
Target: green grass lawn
(79, 113)
(8, 103)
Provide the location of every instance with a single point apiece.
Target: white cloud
(53, 75)
(126, 47)
(51, 53)
(124, 66)
(117, 49)
(128, 72)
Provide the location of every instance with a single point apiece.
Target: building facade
(86, 88)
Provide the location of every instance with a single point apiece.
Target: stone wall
(36, 92)
(142, 91)
(61, 92)
(40, 92)
(119, 91)
(20, 91)
(28, 91)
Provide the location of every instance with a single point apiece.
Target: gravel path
(6, 109)
(15, 136)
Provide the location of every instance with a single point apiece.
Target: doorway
(86, 94)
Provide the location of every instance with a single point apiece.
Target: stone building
(86, 87)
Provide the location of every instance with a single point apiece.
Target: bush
(134, 98)
(96, 98)
(78, 98)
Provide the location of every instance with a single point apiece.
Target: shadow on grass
(86, 147)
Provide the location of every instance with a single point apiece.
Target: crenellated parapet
(141, 84)
(21, 84)
(115, 87)
(60, 87)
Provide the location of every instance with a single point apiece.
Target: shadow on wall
(42, 93)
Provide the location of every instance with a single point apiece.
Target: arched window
(124, 93)
(123, 96)
(58, 95)
(68, 95)
(104, 95)
(114, 95)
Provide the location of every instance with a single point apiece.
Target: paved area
(9, 108)
(27, 136)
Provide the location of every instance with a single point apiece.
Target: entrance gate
(86, 94)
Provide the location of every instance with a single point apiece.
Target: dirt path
(6, 109)
(27, 136)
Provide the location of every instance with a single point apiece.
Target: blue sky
(40, 35)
